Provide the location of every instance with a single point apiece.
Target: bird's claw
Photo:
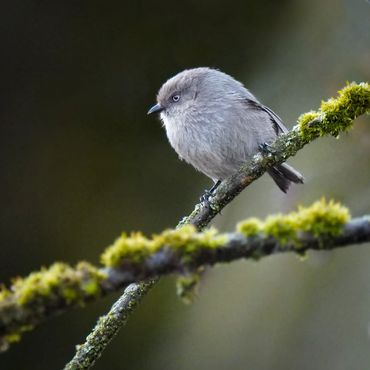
(205, 197)
(266, 148)
(208, 193)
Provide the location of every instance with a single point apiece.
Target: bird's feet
(266, 148)
(205, 197)
(208, 193)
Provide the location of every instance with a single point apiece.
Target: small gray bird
(214, 123)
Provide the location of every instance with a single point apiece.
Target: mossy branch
(31, 300)
(107, 326)
(324, 225)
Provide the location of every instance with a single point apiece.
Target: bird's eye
(175, 98)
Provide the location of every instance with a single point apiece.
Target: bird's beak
(155, 109)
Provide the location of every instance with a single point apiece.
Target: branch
(222, 248)
(323, 225)
(108, 326)
(62, 286)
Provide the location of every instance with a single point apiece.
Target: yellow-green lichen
(250, 227)
(69, 294)
(136, 247)
(4, 292)
(57, 286)
(336, 114)
(12, 338)
(91, 287)
(309, 125)
(61, 285)
(187, 287)
(60, 282)
(321, 219)
(281, 227)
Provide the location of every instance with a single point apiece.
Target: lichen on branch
(135, 248)
(336, 115)
(137, 257)
(321, 219)
(32, 298)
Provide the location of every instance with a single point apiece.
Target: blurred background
(80, 162)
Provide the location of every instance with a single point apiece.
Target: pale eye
(175, 98)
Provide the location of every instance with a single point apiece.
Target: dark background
(80, 162)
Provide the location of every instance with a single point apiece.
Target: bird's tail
(284, 175)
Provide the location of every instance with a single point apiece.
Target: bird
(216, 124)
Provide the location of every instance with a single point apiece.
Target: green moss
(62, 285)
(59, 282)
(308, 126)
(187, 287)
(281, 227)
(91, 287)
(4, 293)
(250, 227)
(91, 279)
(12, 338)
(321, 219)
(135, 248)
(183, 238)
(69, 294)
(337, 114)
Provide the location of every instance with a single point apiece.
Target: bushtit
(214, 123)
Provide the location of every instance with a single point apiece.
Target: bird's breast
(183, 137)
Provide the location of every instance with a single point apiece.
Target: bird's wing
(275, 119)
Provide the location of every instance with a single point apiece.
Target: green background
(80, 162)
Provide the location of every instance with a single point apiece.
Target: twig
(108, 326)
